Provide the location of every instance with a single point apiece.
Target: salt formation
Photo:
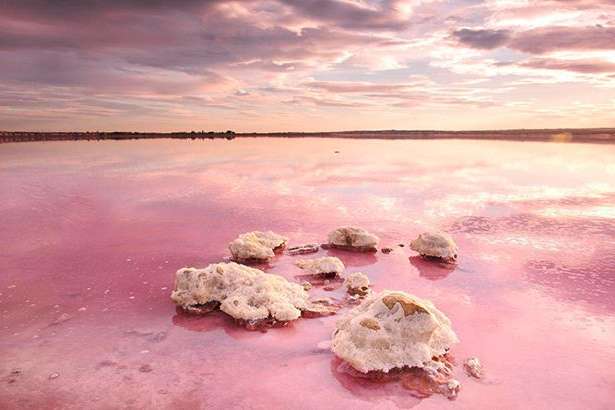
(436, 245)
(328, 266)
(451, 388)
(321, 307)
(356, 239)
(473, 367)
(357, 283)
(393, 330)
(256, 246)
(242, 292)
(303, 249)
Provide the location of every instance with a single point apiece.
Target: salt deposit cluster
(387, 330)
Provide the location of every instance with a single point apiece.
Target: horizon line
(317, 132)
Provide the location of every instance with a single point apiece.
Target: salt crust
(352, 238)
(393, 330)
(256, 245)
(242, 292)
(436, 245)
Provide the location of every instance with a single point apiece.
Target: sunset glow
(306, 65)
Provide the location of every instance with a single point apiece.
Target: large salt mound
(256, 246)
(244, 293)
(351, 238)
(392, 330)
(436, 245)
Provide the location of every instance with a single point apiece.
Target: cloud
(482, 38)
(389, 15)
(579, 66)
(323, 102)
(542, 40)
(354, 87)
(539, 40)
(160, 63)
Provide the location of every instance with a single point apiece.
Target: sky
(306, 65)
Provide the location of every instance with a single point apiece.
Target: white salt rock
(357, 283)
(322, 266)
(258, 246)
(436, 245)
(473, 367)
(352, 238)
(451, 388)
(392, 330)
(242, 292)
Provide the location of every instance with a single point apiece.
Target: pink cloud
(383, 15)
(542, 40)
(354, 87)
(482, 38)
(580, 66)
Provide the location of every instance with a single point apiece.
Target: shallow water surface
(93, 232)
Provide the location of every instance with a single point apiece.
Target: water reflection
(104, 226)
(590, 280)
(354, 259)
(214, 322)
(373, 390)
(535, 224)
(431, 269)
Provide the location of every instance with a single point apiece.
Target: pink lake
(92, 233)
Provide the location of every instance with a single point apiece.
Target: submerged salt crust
(392, 330)
(437, 245)
(319, 266)
(303, 249)
(243, 292)
(352, 238)
(256, 245)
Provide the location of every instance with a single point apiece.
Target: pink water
(91, 234)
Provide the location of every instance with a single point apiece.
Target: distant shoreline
(587, 135)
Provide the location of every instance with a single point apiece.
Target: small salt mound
(351, 238)
(357, 283)
(244, 293)
(256, 246)
(436, 245)
(393, 330)
(328, 265)
(473, 367)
